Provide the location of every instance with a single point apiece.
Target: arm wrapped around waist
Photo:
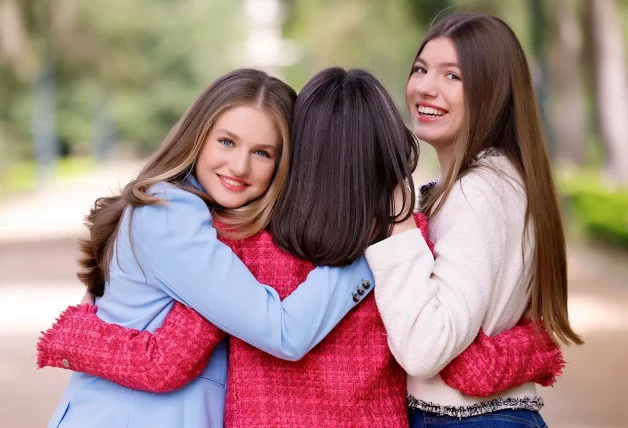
(491, 365)
(174, 355)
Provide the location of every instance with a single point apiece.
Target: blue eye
(226, 142)
(263, 153)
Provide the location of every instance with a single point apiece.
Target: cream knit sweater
(433, 308)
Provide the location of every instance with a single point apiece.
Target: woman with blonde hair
(494, 217)
(155, 243)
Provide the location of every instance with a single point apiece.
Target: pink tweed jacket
(349, 380)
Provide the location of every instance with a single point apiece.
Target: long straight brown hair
(175, 160)
(502, 113)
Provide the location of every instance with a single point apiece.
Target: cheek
(410, 90)
(458, 96)
(264, 174)
(455, 100)
(207, 160)
(461, 112)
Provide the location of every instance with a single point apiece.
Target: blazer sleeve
(180, 247)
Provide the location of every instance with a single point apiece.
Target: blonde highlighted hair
(175, 160)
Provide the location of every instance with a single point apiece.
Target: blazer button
(361, 291)
(366, 284)
(356, 297)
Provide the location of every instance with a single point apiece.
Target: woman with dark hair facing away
(350, 152)
(494, 218)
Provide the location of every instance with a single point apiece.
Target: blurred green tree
(146, 60)
(568, 105)
(379, 36)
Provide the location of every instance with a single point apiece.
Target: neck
(445, 154)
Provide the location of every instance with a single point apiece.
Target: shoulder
(490, 198)
(170, 192)
(175, 207)
(175, 195)
(175, 222)
(492, 182)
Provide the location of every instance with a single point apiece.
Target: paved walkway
(37, 280)
(57, 209)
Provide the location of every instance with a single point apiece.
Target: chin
(427, 138)
(231, 204)
(424, 134)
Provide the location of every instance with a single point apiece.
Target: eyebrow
(229, 133)
(265, 146)
(441, 65)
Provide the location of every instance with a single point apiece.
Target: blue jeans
(499, 419)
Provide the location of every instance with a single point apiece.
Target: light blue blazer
(178, 257)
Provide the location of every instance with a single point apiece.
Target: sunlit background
(88, 89)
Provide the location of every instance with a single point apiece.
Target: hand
(398, 195)
(88, 298)
(399, 206)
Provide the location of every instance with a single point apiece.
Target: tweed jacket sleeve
(494, 364)
(163, 361)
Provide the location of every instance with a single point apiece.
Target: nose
(426, 87)
(240, 164)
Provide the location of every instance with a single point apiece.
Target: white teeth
(431, 111)
(231, 182)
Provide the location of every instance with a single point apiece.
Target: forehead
(248, 123)
(439, 50)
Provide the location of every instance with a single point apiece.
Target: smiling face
(237, 162)
(435, 94)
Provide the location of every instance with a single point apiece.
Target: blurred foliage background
(84, 82)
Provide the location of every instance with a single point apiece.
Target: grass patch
(599, 208)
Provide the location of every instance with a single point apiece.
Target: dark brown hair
(350, 149)
(175, 160)
(502, 113)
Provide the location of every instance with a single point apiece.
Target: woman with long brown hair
(155, 243)
(494, 217)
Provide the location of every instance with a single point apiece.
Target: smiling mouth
(232, 184)
(430, 112)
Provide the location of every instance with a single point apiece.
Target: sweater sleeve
(433, 308)
(163, 361)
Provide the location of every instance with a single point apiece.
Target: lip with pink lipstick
(428, 113)
(232, 184)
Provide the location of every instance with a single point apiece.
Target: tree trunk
(15, 46)
(539, 66)
(569, 117)
(609, 82)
